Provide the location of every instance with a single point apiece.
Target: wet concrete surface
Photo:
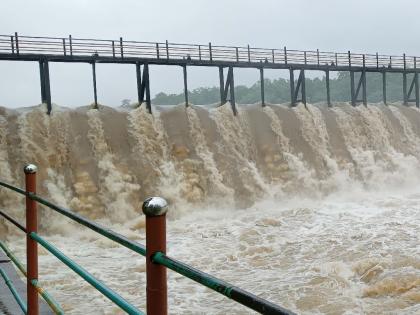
(8, 304)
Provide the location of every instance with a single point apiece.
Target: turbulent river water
(317, 209)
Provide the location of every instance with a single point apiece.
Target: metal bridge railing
(157, 261)
(119, 48)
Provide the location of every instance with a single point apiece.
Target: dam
(314, 208)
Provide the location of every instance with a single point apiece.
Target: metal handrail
(243, 297)
(55, 307)
(119, 48)
(12, 289)
(13, 258)
(11, 220)
(114, 297)
(108, 233)
(116, 237)
(44, 293)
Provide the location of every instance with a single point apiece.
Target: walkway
(8, 305)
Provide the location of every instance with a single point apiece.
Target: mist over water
(314, 208)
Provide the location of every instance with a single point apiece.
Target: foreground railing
(119, 48)
(155, 251)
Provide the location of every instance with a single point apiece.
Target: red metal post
(31, 245)
(155, 209)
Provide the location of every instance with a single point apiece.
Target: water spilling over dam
(315, 208)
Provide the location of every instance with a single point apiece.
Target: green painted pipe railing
(228, 290)
(120, 239)
(18, 299)
(130, 309)
(245, 298)
(56, 308)
(13, 221)
(114, 297)
(13, 258)
(14, 188)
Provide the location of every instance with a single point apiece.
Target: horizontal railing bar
(237, 294)
(118, 238)
(245, 298)
(55, 307)
(39, 37)
(190, 45)
(13, 258)
(218, 51)
(14, 188)
(147, 44)
(35, 42)
(98, 285)
(116, 40)
(11, 220)
(45, 295)
(12, 289)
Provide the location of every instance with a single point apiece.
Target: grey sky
(387, 26)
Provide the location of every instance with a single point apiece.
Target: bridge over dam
(299, 210)
(142, 54)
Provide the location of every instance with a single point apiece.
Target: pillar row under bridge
(297, 86)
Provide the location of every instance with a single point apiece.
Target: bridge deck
(8, 304)
(70, 49)
(142, 54)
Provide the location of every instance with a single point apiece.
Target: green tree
(278, 91)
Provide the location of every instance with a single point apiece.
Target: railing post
(405, 64)
(285, 54)
(71, 45)
(210, 52)
(31, 245)
(155, 209)
(317, 56)
(12, 44)
(64, 47)
(17, 43)
(349, 57)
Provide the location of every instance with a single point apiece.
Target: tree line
(278, 91)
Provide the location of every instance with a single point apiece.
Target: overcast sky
(386, 26)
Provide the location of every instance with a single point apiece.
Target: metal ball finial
(30, 169)
(155, 206)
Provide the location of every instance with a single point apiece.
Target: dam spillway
(314, 199)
